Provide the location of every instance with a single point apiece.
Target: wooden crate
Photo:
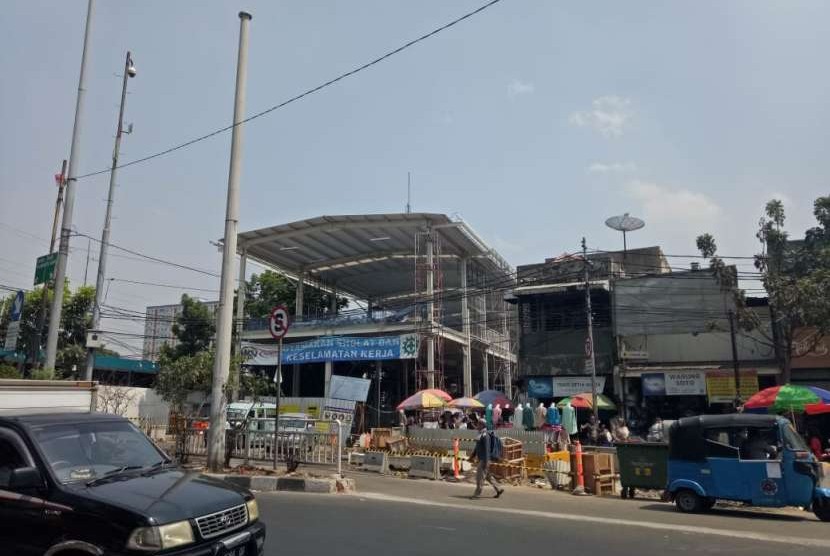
(508, 470)
(512, 449)
(381, 437)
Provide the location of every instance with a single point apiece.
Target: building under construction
(426, 305)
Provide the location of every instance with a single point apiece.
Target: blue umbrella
(494, 397)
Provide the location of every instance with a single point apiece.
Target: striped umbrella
(466, 403)
(438, 392)
(422, 400)
(789, 398)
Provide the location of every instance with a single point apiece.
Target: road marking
(695, 529)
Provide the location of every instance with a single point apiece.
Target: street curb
(267, 483)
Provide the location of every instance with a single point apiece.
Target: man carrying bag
(488, 448)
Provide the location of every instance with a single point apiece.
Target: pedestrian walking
(482, 455)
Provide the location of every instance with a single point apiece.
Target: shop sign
(334, 348)
(540, 387)
(564, 386)
(809, 351)
(720, 385)
(674, 383)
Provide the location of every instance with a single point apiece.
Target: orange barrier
(580, 478)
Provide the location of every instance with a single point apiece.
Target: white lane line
(745, 535)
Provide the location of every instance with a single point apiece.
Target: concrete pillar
(295, 381)
(467, 378)
(379, 376)
(430, 310)
(328, 371)
(485, 368)
(333, 307)
(298, 298)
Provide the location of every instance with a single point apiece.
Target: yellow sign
(720, 386)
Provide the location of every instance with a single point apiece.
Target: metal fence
(442, 439)
(310, 441)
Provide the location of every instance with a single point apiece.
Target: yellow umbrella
(466, 403)
(422, 400)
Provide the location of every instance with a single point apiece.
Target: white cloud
(675, 215)
(612, 168)
(516, 88)
(608, 115)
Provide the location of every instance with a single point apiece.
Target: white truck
(47, 396)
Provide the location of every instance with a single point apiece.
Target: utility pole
(129, 72)
(60, 180)
(224, 320)
(590, 340)
(735, 363)
(69, 204)
(86, 268)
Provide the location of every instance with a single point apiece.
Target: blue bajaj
(756, 459)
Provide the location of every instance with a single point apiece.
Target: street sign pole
(278, 327)
(278, 380)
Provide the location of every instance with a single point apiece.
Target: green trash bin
(643, 465)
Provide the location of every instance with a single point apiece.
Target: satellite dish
(624, 223)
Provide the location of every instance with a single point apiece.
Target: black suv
(93, 484)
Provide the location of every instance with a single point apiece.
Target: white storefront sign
(685, 383)
(571, 385)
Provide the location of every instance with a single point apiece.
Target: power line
(301, 95)
(150, 257)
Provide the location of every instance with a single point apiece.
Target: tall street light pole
(129, 72)
(224, 319)
(69, 204)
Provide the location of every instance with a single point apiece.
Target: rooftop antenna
(408, 192)
(624, 223)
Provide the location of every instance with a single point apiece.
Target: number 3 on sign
(278, 323)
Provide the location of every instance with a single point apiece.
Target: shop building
(426, 306)
(674, 346)
(550, 297)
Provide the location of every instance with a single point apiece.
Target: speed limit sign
(278, 323)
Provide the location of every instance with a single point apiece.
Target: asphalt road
(395, 516)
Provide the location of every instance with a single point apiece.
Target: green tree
(194, 329)
(265, 291)
(796, 277)
(75, 321)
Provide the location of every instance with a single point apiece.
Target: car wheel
(688, 502)
(822, 512)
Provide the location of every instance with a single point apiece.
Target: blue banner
(336, 348)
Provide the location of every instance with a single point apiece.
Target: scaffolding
(429, 288)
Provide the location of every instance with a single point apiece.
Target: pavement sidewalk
(791, 523)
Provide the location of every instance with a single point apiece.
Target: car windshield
(85, 451)
(793, 441)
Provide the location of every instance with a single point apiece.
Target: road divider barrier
(377, 462)
(424, 467)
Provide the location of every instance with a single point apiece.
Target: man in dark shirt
(481, 453)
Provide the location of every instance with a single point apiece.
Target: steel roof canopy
(370, 255)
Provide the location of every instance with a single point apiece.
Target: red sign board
(278, 323)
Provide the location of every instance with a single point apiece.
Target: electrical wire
(300, 96)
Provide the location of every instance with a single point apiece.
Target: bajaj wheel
(822, 512)
(688, 502)
(708, 503)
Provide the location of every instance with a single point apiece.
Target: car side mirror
(25, 478)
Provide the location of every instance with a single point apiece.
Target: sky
(534, 121)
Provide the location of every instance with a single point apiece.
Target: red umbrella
(438, 392)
